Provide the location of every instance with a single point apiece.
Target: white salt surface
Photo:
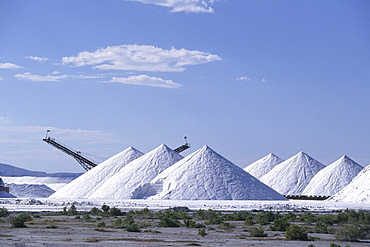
(333, 178)
(264, 165)
(293, 175)
(137, 173)
(47, 204)
(206, 175)
(358, 190)
(30, 190)
(93, 179)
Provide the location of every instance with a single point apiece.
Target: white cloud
(140, 58)
(38, 59)
(146, 80)
(1, 78)
(54, 77)
(188, 6)
(243, 78)
(31, 77)
(9, 66)
(263, 80)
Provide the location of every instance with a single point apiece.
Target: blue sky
(245, 77)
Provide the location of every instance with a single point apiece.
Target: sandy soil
(69, 231)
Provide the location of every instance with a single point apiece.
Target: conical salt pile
(333, 178)
(292, 176)
(358, 190)
(137, 173)
(90, 181)
(264, 165)
(206, 175)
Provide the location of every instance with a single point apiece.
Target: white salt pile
(30, 190)
(358, 190)
(92, 180)
(264, 165)
(333, 178)
(206, 175)
(53, 183)
(4, 194)
(293, 175)
(137, 173)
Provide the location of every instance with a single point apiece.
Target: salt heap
(137, 173)
(358, 190)
(90, 181)
(206, 175)
(333, 178)
(292, 176)
(262, 166)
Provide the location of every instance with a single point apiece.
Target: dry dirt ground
(63, 230)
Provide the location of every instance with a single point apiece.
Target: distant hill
(12, 171)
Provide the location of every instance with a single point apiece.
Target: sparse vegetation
(19, 221)
(295, 232)
(4, 212)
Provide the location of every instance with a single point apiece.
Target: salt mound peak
(90, 181)
(333, 178)
(206, 175)
(358, 190)
(264, 165)
(291, 177)
(137, 173)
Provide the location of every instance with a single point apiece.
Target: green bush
(105, 208)
(115, 212)
(193, 224)
(133, 228)
(167, 222)
(257, 232)
(102, 224)
(72, 210)
(351, 233)
(280, 224)
(18, 222)
(202, 232)
(249, 220)
(295, 232)
(321, 228)
(4, 212)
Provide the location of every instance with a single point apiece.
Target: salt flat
(47, 204)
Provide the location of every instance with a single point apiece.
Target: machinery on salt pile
(86, 163)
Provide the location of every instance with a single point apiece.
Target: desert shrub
(265, 218)
(257, 232)
(95, 211)
(215, 221)
(249, 220)
(226, 225)
(88, 218)
(311, 245)
(129, 220)
(72, 210)
(167, 222)
(280, 224)
(116, 212)
(202, 232)
(133, 228)
(18, 222)
(52, 227)
(207, 214)
(351, 233)
(193, 224)
(307, 218)
(295, 232)
(117, 223)
(4, 212)
(102, 224)
(105, 208)
(321, 228)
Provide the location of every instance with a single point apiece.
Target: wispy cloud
(9, 66)
(1, 78)
(53, 77)
(140, 58)
(146, 80)
(49, 78)
(38, 59)
(243, 78)
(188, 6)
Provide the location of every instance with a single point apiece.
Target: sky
(244, 77)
